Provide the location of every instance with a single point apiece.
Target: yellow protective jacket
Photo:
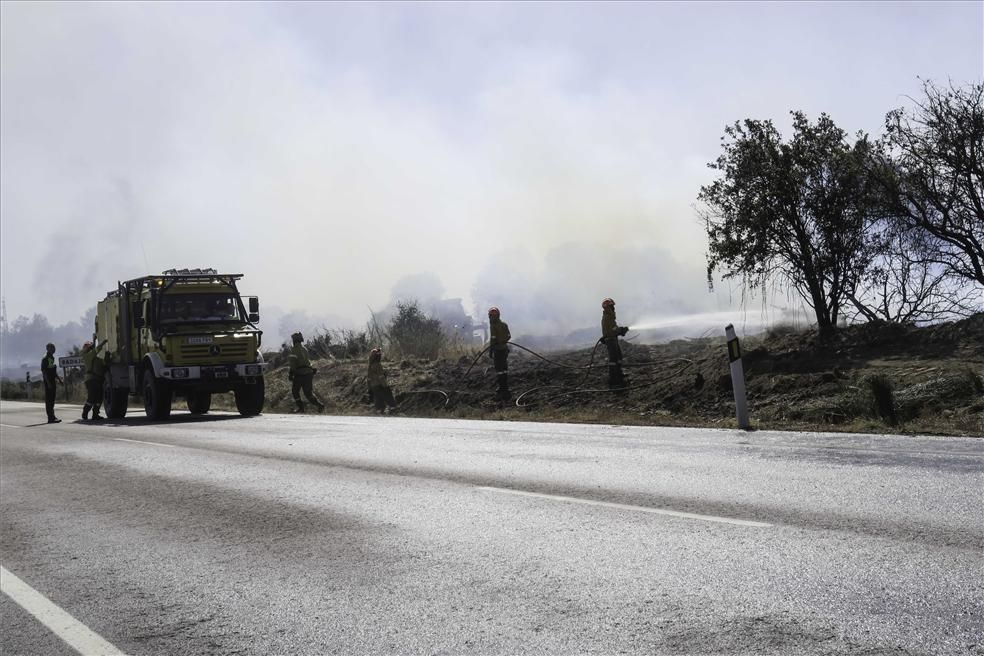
(499, 335)
(377, 375)
(609, 327)
(95, 366)
(299, 360)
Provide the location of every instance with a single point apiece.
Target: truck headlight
(180, 372)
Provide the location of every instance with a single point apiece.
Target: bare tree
(933, 178)
(902, 287)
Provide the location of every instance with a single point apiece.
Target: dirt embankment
(872, 377)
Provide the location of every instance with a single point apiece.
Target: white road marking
(123, 439)
(77, 635)
(10, 426)
(625, 506)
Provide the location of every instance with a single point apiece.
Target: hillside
(871, 377)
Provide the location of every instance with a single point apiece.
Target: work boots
(85, 411)
(298, 407)
(95, 413)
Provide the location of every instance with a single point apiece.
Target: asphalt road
(323, 535)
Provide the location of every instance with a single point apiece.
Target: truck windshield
(178, 308)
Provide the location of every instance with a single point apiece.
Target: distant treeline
(22, 340)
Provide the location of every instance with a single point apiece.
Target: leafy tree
(797, 210)
(414, 333)
(932, 173)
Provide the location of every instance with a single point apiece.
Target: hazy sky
(536, 156)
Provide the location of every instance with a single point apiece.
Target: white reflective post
(737, 377)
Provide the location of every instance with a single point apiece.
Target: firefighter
(49, 375)
(301, 374)
(95, 374)
(610, 332)
(499, 352)
(379, 391)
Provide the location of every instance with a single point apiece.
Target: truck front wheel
(199, 403)
(157, 397)
(249, 398)
(114, 399)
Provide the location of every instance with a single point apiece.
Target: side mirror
(254, 317)
(254, 306)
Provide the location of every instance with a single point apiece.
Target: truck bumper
(217, 372)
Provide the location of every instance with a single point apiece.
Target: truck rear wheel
(250, 398)
(157, 397)
(114, 399)
(199, 403)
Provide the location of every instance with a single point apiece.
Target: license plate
(200, 340)
(221, 374)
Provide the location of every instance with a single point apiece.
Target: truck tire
(199, 403)
(250, 398)
(114, 399)
(157, 397)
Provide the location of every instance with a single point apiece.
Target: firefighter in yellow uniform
(499, 352)
(95, 375)
(610, 332)
(301, 374)
(379, 391)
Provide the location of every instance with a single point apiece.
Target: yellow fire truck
(185, 333)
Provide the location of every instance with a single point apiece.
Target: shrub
(413, 333)
(883, 398)
(351, 343)
(12, 390)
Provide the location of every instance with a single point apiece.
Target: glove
(290, 375)
(622, 330)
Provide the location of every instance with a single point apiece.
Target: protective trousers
(382, 396)
(500, 360)
(49, 400)
(94, 398)
(305, 382)
(615, 376)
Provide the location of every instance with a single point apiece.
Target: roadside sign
(71, 361)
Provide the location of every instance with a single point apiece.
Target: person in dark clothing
(49, 375)
(610, 332)
(95, 375)
(499, 337)
(301, 374)
(379, 390)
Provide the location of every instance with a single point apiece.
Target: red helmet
(494, 312)
(607, 303)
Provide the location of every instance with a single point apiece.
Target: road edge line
(75, 634)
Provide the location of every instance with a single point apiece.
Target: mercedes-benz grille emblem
(214, 349)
